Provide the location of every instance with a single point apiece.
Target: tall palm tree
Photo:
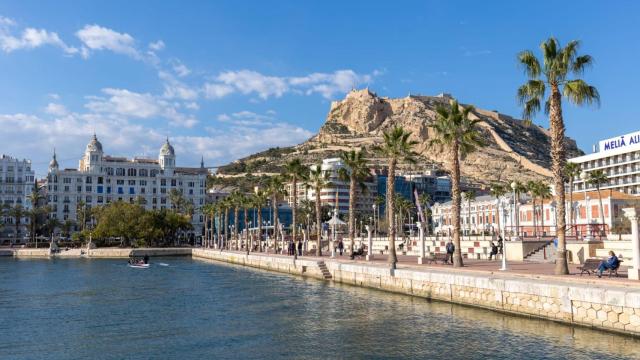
(259, 200)
(275, 189)
(498, 190)
(235, 200)
(34, 198)
(246, 203)
(226, 206)
(318, 180)
(519, 189)
(403, 209)
(558, 63)
(572, 172)
(82, 213)
(295, 171)
(425, 202)
(396, 147)
(459, 135)
(598, 178)
(469, 196)
(355, 172)
(17, 212)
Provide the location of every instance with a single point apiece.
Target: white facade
(101, 179)
(16, 184)
(619, 158)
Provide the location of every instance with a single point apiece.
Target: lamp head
(514, 185)
(583, 175)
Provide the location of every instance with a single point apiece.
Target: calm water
(101, 309)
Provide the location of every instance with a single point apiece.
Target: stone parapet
(607, 307)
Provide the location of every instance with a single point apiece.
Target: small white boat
(138, 266)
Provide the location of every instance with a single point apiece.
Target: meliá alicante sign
(620, 142)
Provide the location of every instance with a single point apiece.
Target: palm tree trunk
(226, 229)
(293, 215)
(535, 216)
(571, 209)
(391, 181)
(601, 208)
(498, 215)
(318, 223)
(352, 211)
(246, 229)
(542, 216)
(558, 160)
(455, 196)
(260, 228)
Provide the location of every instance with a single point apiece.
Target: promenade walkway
(489, 267)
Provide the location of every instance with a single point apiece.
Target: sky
(224, 79)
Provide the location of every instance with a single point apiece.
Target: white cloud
(156, 46)
(217, 91)
(181, 69)
(192, 106)
(30, 38)
(95, 37)
(56, 109)
(122, 102)
(252, 82)
(175, 89)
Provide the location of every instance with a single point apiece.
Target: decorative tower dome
(167, 157)
(167, 149)
(53, 165)
(94, 145)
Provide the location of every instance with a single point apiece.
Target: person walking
(494, 251)
(340, 247)
(500, 245)
(450, 249)
(299, 248)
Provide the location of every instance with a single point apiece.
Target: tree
(83, 213)
(17, 212)
(533, 190)
(295, 171)
(119, 220)
(355, 172)
(318, 180)
(259, 200)
(498, 190)
(395, 147)
(558, 63)
(459, 135)
(35, 212)
(572, 172)
(425, 202)
(598, 178)
(469, 196)
(402, 208)
(246, 203)
(544, 193)
(51, 225)
(275, 189)
(236, 199)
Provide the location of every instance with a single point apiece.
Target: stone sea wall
(607, 307)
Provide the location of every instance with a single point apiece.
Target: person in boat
(146, 259)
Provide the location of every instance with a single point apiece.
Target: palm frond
(530, 64)
(579, 92)
(581, 63)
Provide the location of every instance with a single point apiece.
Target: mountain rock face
(515, 150)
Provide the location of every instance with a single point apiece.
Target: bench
(434, 258)
(591, 266)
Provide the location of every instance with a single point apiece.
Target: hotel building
(619, 158)
(16, 184)
(101, 179)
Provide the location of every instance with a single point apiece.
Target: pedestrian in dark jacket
(340, 247)
(299, 248)
(494, 251)
(450, 250)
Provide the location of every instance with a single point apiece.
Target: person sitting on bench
(611, 263)
(494, 251)
(358, 252)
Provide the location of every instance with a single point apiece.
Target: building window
(100, 179)
(120, 182)
(142, 172)
(99, 189)
(108, 189)
(89, 180)
(131, 190)
(120, 172)
(120, 191)
(131, 172)
(173, 182)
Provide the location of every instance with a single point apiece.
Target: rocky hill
(515, 149)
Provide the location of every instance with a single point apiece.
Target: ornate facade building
(101, 179)
(16, 184)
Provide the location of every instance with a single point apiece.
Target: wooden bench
(591, 266)
(434, 258)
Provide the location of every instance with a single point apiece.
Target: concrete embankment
(97, 253)
(607, 307)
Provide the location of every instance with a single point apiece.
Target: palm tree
(275, 189)
(246, 203)
(226, 204)
(469, 196)
(355, 171)
(17, 212)
(318, 180)
(519, 189)
(458, 134)
(35, 211)
(235, 201)
(557, 65)
(425, 201)
(498, 190)
(598, 178)
(533, 188)
(403, 207)
(572, 172)
(82, 213)
(259, 200)
(395, 147)
(544, 193)
(295, 171)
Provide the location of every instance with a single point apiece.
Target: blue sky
(225, 79)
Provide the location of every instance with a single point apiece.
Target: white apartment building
(17, 181)
(101, 179)
(337, 194)
(619, 158)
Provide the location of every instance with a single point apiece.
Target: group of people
(495, 250)
(291, 249)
